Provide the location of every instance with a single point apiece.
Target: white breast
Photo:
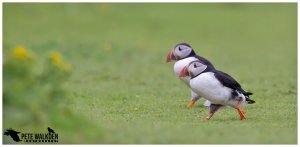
(210, 88)
(179, 65)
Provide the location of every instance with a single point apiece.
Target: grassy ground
(122, 84)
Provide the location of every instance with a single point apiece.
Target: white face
(196, 67)
(182, 51)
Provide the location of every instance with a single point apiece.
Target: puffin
(216, 86)
(183, 54)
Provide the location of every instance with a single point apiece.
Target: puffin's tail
(247, 94)
(249, 101)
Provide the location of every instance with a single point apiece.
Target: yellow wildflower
(21, 52)
(56, 58)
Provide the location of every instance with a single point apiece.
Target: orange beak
(170, 56)
(184, 72)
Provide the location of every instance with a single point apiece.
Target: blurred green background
(121, 90)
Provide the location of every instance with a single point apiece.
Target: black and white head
(193, 69)
(180, 51)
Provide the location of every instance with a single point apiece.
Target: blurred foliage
(38, 98)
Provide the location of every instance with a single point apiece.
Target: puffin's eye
(179, 49)
(195, 66)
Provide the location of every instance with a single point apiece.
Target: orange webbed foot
(242, 114)
(205, 119)
(191, 104)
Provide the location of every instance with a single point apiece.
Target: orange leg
(206, 119)
(240, 111)
(191, 104)
(213, 108)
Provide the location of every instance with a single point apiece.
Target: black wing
(205, 61)
(230, 82)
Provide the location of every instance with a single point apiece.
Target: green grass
(122, 84)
